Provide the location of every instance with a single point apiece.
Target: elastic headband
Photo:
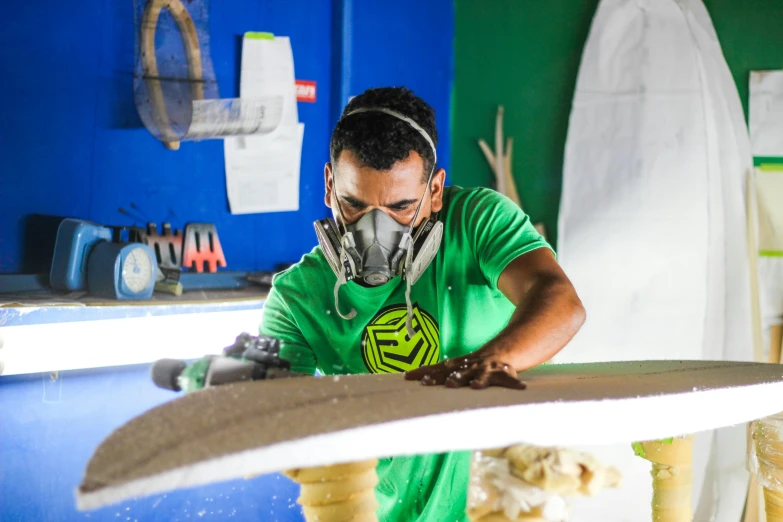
(404, 118)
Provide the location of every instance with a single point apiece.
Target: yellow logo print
(386, 347)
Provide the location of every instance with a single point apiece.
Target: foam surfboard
(244, 429)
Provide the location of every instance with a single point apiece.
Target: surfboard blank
(237, 430)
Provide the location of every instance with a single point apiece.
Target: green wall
(524, 54)
(751, 35)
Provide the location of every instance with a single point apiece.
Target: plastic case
(75, 239)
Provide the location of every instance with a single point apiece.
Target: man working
(383, 292)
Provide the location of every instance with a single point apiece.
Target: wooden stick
(501, 160)
(500, 177)
(754, 507)
(751, 216)
(775, 343)
(487, 154)
(511, 185)
(151, 75)
(752, 513)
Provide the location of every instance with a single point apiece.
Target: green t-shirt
(457, 308)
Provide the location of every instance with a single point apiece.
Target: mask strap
(342, 257)
(337, 200)
(407, 243)
(341, 281)
(340, 210)
(421, 201)
(409, 317)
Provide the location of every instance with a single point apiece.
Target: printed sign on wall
(305, 91)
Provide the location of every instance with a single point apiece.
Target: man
(383, 293)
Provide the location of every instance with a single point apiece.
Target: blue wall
(71, 143)
(398, 43)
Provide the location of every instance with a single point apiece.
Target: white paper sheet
(652, 218)
(263, 176)
(766, 113)
(268, 70)
(262, 172)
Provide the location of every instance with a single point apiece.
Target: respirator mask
(376, 248)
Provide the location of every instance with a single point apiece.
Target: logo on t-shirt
(386, 347)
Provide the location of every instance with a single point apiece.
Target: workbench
(76, 368)
(46, 332)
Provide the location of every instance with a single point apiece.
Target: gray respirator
(376, 248)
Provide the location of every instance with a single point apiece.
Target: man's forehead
(368, 186)
(367, 180)
(378, 189)
(349, 169)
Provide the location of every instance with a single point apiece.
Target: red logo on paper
(305, 91)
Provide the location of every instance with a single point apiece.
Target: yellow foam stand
(339, 493)
(531, 516)
(767, 443)
(773, 504)
(672, 474)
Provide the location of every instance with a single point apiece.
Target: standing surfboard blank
(244, 429)
(652, 223)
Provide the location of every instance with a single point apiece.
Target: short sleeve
(278, 321)
(499, 232)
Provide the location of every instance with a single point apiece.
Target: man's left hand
(477, 370)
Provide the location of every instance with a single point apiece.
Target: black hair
(380, 140)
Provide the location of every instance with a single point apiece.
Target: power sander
(328, 493)
(250, 358)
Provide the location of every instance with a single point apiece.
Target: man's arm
(516, 261)
(548, 314)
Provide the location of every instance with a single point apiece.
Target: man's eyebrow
(358, 203)
(402, 203)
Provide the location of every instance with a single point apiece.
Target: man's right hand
(478, 370)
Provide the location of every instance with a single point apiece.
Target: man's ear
(328, 184)
(436, 189)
